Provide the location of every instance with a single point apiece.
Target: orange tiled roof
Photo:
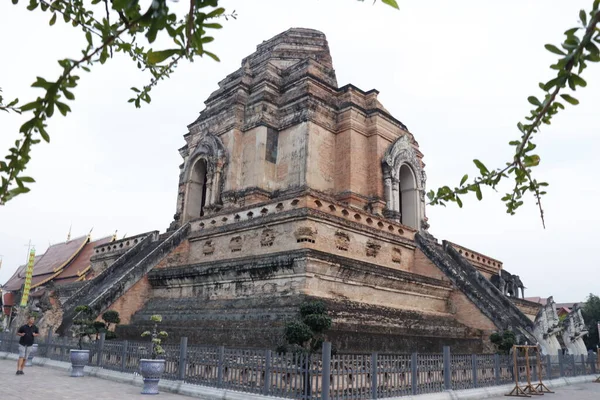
(79, 267)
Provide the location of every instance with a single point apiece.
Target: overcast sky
(457, 73)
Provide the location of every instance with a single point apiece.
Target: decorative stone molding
(235, 244)
(305, 234)
(400, 153)
(342, 241)
(373, 248)
(208, 248)
(267, 238)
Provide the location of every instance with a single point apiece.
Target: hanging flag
(28, 275)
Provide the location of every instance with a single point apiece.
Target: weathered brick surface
(132, 300)
(179, 256)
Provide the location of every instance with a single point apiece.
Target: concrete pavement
(582, 391)
(55, 384)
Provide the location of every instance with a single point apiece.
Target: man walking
(27, 333)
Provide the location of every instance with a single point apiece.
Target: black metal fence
(318, 376)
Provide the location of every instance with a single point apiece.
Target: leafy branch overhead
(579, 48)
(109, 27)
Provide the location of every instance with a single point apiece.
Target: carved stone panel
(208, 248)
(235, 244)
(396, 255)
(373, 248)
(267, 238)
(305, 234)
(342, 241)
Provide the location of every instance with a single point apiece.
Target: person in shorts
(27, 333)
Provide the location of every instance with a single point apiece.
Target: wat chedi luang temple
(293, 188)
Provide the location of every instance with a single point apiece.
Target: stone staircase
(492, 303)
(119, 277)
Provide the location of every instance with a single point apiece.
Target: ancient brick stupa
(293, 188)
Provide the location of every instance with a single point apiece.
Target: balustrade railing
(323, 376)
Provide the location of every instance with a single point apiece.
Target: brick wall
(179, 256)
(133, 300)
(423, 266)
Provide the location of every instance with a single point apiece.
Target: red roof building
(62, 263)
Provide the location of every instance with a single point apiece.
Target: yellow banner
(28, 275)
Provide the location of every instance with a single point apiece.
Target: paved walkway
(54, 384)
(583, 391)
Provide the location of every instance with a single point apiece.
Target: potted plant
(152, 369)
(83, 326)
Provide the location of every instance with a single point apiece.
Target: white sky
(457, 73)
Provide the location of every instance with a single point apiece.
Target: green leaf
(577, 80)
(459, 202)
(160, 56)
(212, 55)
(531, 161)
(553, 49)
(570, 99)
(63, 108)
(391, 3)
(482, 169)
(464, 179)
(27, 179)
(583, 17)
(478, 192)
(533, 100)
(53, 19)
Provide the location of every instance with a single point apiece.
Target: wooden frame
(529, 389)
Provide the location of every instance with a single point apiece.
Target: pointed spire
(69, 234)
(114, 236)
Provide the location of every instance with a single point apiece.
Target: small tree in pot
(153, 368)
(83, 326)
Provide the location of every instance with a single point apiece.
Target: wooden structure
(530, 388)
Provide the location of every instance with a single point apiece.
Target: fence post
(592, 362)
(573, 366)
(373, 375)
(414, 372)
(220, 366)
(48, 342)
(267, 380)
(474, 367)
(124, 355)
(182, 357)
(549, 366)
(497, 369)
(447, 369)
(561, 363)
(326, 370)
(583, 364)
(100, 349)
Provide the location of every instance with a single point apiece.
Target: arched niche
(408, 197)
(203, 177)
(197, 190)
(404, 184)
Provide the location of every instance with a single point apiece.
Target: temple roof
(61, 263)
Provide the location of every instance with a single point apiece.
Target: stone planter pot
(151, 371)
(79, 359)
(32, 352)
